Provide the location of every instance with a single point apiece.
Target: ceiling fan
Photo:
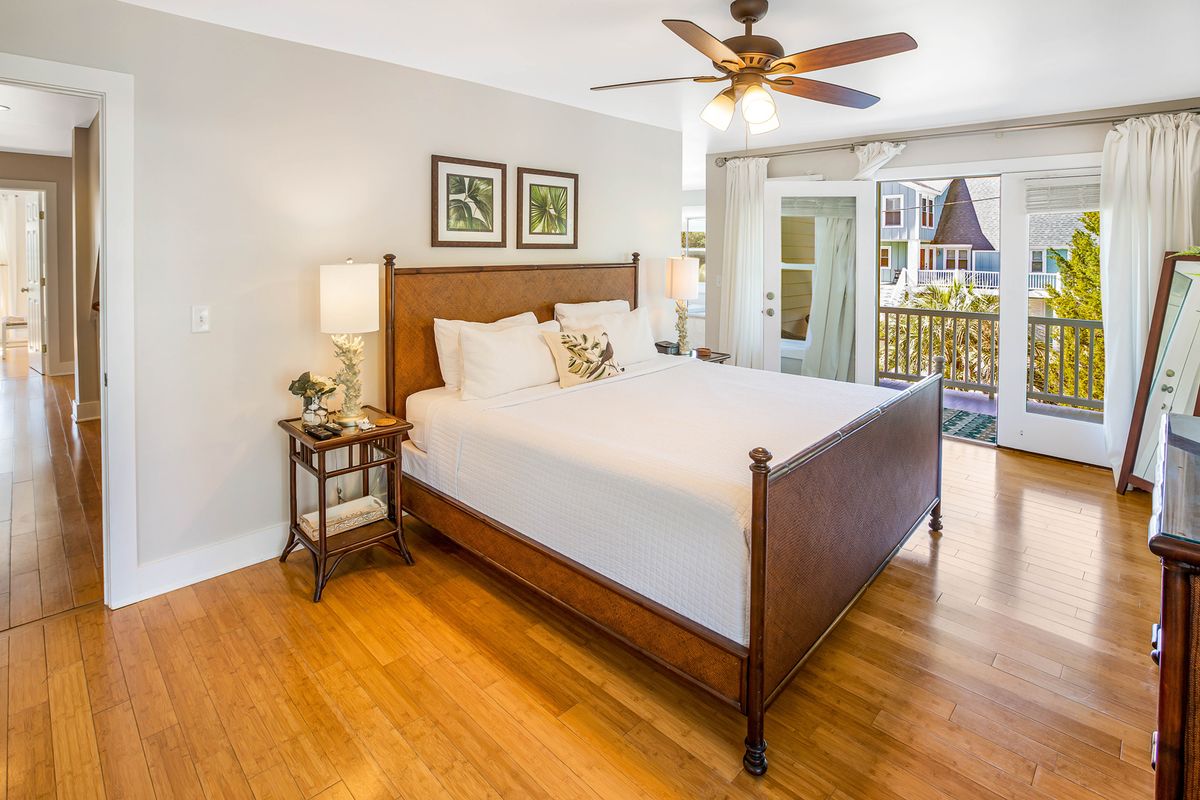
(753, 63)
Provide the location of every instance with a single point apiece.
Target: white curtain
(872, 158)
(831, 326)
(741, 333)
(1149, 203)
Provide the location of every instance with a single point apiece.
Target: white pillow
(628, 332)
(446, 334)
(583, 311)
(497, 362)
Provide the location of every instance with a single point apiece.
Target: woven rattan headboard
(415, 295)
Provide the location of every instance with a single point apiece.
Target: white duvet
(644, 477)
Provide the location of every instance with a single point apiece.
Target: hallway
(50, 501)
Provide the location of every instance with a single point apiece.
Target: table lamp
(683, 284)
(349, 306)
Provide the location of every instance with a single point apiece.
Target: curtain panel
(1149, 204)
(741, 333)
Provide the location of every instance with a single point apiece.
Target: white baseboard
(174, 572)
(85, 412)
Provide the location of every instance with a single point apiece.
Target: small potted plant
(312, 391)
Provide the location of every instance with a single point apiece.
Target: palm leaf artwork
(469, 203)
(589, 357)
(547, 209)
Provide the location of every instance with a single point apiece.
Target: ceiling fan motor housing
(757, 51)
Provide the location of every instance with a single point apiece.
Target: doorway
(1016, 319)
(51, 491)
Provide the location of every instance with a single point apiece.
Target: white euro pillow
(628, 332)
(446, 333)
(583, 311)
(497, 362)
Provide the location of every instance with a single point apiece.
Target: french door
(1051, 375)
(819, 268)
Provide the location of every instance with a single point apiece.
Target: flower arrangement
(312, 390)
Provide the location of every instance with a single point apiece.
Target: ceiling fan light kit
(753, 63)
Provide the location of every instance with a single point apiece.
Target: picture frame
(468, 203)
(547, 209)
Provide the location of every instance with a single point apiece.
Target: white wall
(842, 164)
(256, 161)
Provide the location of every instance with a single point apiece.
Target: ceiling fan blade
(836, 55)
(696, 79)
(824, 92)
(713, 48)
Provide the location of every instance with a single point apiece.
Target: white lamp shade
(719, 111)
(764, 127)
(683, 278)
(757, 105)
(349, 298)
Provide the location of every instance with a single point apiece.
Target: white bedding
(644, 477)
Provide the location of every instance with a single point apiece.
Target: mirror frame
(1149, 361)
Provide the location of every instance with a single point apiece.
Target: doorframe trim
(118, 397)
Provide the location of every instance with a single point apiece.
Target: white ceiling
(976, 61)
(41, 122)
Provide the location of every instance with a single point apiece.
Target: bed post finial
(939, 363)
(637, 257)
(755, 759)
(389, 260)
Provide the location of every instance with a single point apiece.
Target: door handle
(24, 288)
(770, 312)
(770, 295)
(1168, 389)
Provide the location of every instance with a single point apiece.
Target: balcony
(1065, 357)
(1035, 281)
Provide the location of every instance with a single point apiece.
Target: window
(694, 245)
(926, 212)
(1037, 260)
(893, 211)
(957, 258)
(885, 256)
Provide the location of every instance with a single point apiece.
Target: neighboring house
(968, 227)
(907, 219)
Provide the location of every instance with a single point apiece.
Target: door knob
(1170, 373)
(1168, 389)
(770, 295)
(24, 288)
(770, 312)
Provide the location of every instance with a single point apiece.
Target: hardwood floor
(1005, 658)
(50, 512)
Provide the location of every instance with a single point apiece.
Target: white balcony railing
(1035, 281)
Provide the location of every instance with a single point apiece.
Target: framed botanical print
(468, 203)
(547, 209)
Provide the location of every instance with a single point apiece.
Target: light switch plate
(200, 319)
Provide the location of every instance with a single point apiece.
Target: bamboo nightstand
(365, 450)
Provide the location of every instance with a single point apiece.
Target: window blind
(1049, 195)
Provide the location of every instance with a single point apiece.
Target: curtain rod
(1034, 126)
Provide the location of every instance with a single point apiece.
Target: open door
(820, 276)
(34, 287)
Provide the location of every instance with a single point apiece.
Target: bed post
(389, 367)
(935, 516)
(637, 263)
(755, 759)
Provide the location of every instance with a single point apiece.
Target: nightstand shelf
(378, 448)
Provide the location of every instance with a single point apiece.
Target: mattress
(643, 477)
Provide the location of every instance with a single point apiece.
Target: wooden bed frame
(825, 521)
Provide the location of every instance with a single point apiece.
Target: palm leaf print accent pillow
(582, 356)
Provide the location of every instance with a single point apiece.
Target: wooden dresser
(1175, 538)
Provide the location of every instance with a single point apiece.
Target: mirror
(1170, 380)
